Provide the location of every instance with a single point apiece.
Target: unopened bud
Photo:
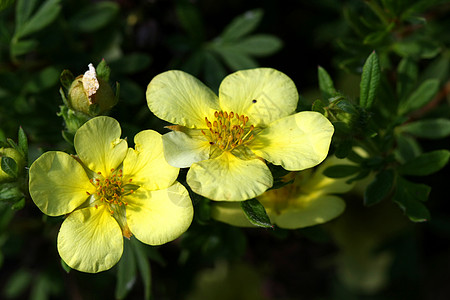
(91, 95)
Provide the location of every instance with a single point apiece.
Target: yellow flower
(308, 201)
(225, 139)
(109, 190)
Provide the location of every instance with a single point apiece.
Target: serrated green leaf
(426, 163)
(326, 84)
(259, 45)
(43, 17)
(379, 188)
(143, 266)
(407, 73)
(242, 25)
(256, 213)
(94, 17)
(341, 171)
(370, 80)
(429, 129)
(409, 196)
(126, 272)
(420, 97)
(9, 166)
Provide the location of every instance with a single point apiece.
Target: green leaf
(44, 16)
(5, 3)
(103, 71)
(259, 45)
(43, 80)
(19, 204)
(407, 148)
(190, 19)
(429, 129)
(94, 16)
(409, 196)
(17, 283)
(23, 47)
(126, 272)
(131, 63)
(341, 171)
(10, 192)
(65, 266)
(9, 166)
(214, 70)
(420, 97)
(24, 8)
(23, 142)
(426, 163)
(66, 78)
(370, 79)
(235, 59)
(407, 72)
(424, 47)
(379, 188)
(256, 213)
(143, 265)
(326, 84)
(318, 106)
(242, 25)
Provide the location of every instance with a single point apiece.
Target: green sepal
(66, 78)
(256, 213)
(9, 166)
(103, 71)
(326, 84)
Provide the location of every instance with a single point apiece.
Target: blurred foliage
(383, 80)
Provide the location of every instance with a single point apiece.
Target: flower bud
(91, 95)
(18, 158)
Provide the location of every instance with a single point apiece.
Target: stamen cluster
(228, 130)
(111, 189)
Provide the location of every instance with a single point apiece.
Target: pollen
(228, 130)
(111, 190)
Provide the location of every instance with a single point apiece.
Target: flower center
(228, 130)
(110, 190)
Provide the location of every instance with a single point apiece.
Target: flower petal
(263, 94)
(230, 213)
(182, 150)
(228, 178)
(90, 240)
(158, 217)
(99, 146)
(58, 183)
(180, 98)
(296, 142)
(146, 164)
(311, 210)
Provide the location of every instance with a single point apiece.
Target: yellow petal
(263, 94)
(228, 178)
(230, 213)
(58, 183)
(99, 146)
(158, 217)
(146, 164)
(182, 150)
(308, 211)
(296, 142)
(90, 240)
(182, 99)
